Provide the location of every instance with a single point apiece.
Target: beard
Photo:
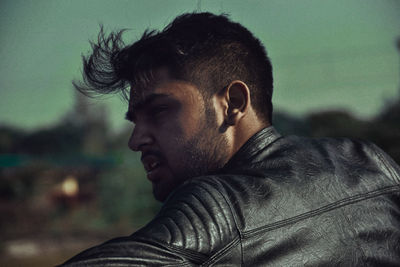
(204, 153)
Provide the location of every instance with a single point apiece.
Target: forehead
(140, 91)
(163, 86)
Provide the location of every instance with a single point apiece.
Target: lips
(151, 163)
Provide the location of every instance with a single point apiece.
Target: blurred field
(43, 252)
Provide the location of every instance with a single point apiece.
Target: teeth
(154, 165)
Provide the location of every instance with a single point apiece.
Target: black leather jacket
(280, 201)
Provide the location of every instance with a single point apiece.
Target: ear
(237, 95)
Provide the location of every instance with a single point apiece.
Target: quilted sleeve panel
(195, 218)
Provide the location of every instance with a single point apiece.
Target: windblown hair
(207, 50)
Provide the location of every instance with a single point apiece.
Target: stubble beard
(206, 152)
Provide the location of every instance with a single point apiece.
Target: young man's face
(177, 137)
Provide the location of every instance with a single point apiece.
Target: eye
(158, 110)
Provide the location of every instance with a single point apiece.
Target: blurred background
(67, 178)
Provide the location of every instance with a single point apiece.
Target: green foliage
(62, 139)
(10, 138)
(19, 183)
(287, 124)
(383, 130)
(336, 124)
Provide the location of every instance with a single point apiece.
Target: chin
(159, 194)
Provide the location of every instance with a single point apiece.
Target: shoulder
(196, 217)
(343, 162)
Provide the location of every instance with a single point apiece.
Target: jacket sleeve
(194, 224)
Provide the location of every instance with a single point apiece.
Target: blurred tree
(10, 138)
(385, 129)
(64, 139)
(288, 124)
(338, 123)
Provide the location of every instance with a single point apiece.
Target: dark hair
(208, 50)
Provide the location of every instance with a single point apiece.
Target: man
(236, 192)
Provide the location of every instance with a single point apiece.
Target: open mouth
(151, 162)
(152, 166)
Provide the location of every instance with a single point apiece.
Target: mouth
(151, 164)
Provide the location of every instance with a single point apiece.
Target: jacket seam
(216, 201)
(222, 252)
(382, 159)
(117, 260)
(187, 253)
(321, 210)
(181, 264)
(240, 234)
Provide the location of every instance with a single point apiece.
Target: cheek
(172, 145)
(219, 110)
(190, 121)
(169, 138)
(179, 127)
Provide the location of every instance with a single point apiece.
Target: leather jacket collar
(257, 142)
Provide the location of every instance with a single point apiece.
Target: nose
(140, 136)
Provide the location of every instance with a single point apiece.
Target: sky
(332, 54)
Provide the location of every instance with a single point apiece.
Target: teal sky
(326, 54)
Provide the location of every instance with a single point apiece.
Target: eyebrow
(130, 114)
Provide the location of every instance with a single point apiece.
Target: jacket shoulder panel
(295, 176)
(196, 218)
